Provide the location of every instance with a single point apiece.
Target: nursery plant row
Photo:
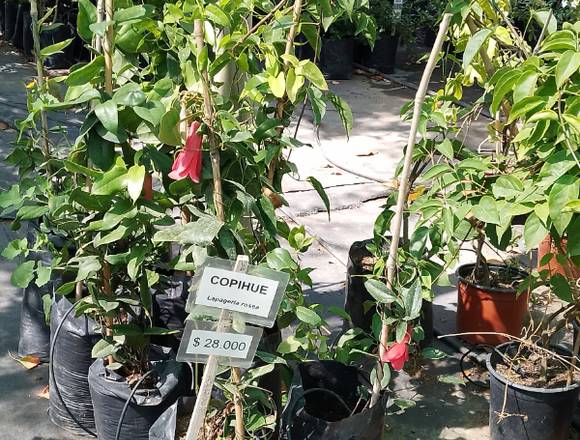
(159, 279)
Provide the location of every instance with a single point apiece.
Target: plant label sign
(202, 339)
(255, 295)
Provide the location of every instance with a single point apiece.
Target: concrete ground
(356, 174)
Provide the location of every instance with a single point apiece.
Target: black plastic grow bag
(19, 25)
(534, 413)
(321, 402)
(111, 391)
(336, 58)
(10, 13)
(70, 398)
(27, 42)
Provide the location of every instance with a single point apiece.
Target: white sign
(210, 343)
(236, 291)
(203, 340)
(254, 294)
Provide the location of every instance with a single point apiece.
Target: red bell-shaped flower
(188, 161)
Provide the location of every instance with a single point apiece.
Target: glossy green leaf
(130, 95)
(534, 231)
(55, 48)
(281, 259)
(314, 75)
(135, 178)
(308, 316)
(169, 128)
(487, 211)
(23, 274)
(321, 193)
(277, 85)
(525, 106)
(474, 44)
(380, 292)
(566, 67)
(565, 190)
(87, 15)
(86, 73)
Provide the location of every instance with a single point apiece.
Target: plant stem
(404, 185)
(109, 292)
(100, 14)
(40, 78)
(108, 48)
(217, 196)
(297, 11)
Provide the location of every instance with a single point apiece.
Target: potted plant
(338, 41)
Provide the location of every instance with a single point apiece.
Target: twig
(260, 23)
(40, 78)
(404, 187)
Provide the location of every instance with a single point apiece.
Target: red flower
(398, 353)
(188, 161)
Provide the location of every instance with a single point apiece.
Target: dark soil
(529, 370)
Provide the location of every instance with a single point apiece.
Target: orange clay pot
(549, 246)
(489, 309)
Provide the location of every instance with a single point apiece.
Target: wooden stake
(404, 188)
(219, 207)
(108, 47)
(209, 375)
(40, 78)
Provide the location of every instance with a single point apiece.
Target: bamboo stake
(217, 197)
(108, 47)
(40, 78)
(404, 188)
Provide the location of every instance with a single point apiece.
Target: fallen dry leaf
(4, 126)
(44, 393)
(28, 362)
(370, 153)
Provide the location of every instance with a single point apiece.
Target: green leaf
(132, 13)
(280, 259)
(113, 181)
(474, 45)
(293, 84)
(436, 171)
(115, 235)
(386, 379)
(87, 266)
(486, 211)
(55, 48)
(102, 349)
(413, 299)
(566, 67)
(87, 15)
(344, 111)
(135, 178)
(313, 74)
(317, 103)
(43, 274)
(130, 95)
(526, 105)
(534, 231)
(542, 17)
(277, 85)
(452, 379)
(107, 113)
(565, 190)
(561, 287)
(308, 316)
(321, 192)
(169, 128)
(217, 15)
(30, 212)
(380, 292)
(23, 274)
(200, 232)
(405, 403)
(270, 358)
(101, 152)
(507, 186)
(525, 86)
(433, 353)
(289, 345)
(15, 248)
(445, 148)
(86, 73)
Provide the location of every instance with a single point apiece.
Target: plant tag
(202, 339)
(254, 295)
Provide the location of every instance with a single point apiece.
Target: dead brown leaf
(370, 153)
(28, 362)
(44, 393)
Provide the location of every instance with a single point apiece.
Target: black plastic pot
(18, 35)
(336, 58)
(323, 404)
(169, 299)
(10, 13)
(383, 57)
(110, 392)
(535, 413)
(71, 407)
(2, 17)
(27, 42)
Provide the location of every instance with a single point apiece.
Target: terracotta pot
(549, 246)
(489, 309)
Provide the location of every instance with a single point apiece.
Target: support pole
(40, 78)
(404, 188)
(210, 371)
